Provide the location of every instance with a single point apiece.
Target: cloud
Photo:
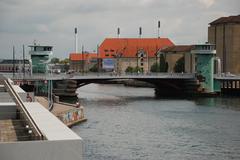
(207, 3)
(42, 28)
(52, 22)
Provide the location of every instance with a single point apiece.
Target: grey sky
(52, 22)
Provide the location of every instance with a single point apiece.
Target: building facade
(225, 34)
(82, 62)
(40, 57)
(17, 65)
(174, 53)
(133, 52)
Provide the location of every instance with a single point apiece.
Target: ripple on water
(129, 125)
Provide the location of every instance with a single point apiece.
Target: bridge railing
(53, 76)
(227, 75)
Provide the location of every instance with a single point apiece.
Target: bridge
(201, 80)
(165, 83)
(66, 84)
(99, 76)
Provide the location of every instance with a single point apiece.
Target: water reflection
(130, 123)
(221, 102)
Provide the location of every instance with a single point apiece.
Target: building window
(111, 50)
(106, 55)
(141, 64)
(105, 50)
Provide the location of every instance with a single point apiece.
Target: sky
(52, 22)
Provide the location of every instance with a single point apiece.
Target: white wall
(7, 111)
(42, 150)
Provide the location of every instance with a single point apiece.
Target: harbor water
(126, 123)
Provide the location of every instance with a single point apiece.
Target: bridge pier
(64, 89)
(176, 88)
(205, 54)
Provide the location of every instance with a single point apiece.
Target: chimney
(76, 40)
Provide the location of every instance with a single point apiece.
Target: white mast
(76, 41)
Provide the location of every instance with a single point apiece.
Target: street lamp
(30, 65)
(50, 88)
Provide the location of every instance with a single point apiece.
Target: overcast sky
(52, 22)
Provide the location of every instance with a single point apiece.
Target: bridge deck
(102, 76)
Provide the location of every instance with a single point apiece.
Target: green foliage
(138, 70)
(65, 61)
(163, 64)
(129, 69)
(94, 68)
(66, 64)
(55, 60)
(179, 66)
(155, 67)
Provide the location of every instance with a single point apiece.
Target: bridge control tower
(205, 54)
(40, 56)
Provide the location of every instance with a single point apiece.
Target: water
(131, 124)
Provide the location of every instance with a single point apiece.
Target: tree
(129, 69)
(64, 61)
(66, 64)
(55, 60)
(138, 70)
(163, 64)
(94, 68)
(179, 66)
(155, 67)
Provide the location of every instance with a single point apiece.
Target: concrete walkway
(57, 109)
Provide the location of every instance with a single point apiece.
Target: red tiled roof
(230, 19)
(178, 48)
(80, 56)
(128, 47)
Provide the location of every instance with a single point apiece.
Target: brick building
(82, 62)
(133, 52)
(225, 33)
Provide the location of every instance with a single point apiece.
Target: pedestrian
(77, 105)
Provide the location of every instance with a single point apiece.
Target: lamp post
(30, 66)
(98, 59)
(13, 68)
(23, 62)
(48, 68)
(50, 88)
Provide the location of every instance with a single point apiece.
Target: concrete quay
(67, 113)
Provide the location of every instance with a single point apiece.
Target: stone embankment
(69, 114)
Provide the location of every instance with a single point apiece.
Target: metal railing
(26, 115)
(63, 76)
